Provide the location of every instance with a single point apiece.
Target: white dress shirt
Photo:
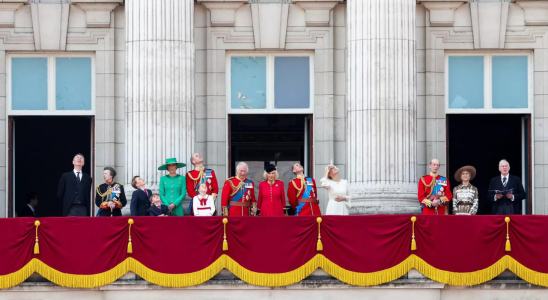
(79, 175)
(31, 208)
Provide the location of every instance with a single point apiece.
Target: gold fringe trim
(82, 281)
(455, 278)
(177, 280)
(366, 279)
(275, 279)
(15, 278)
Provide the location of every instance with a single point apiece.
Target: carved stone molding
(50, 25)
(97, 14)
(442, 13)
(536, 12)
(223, 14)
(269, 25)
(317, 13)
(7, 14)
(489, 21)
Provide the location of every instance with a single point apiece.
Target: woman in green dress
(173, 187)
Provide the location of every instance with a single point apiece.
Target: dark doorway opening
(282, 140)
(482, 140)
(42, 149)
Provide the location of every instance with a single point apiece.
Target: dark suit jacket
(140, 203)
(153, 211)
(504, 204)
(67, 190)
(26, 212)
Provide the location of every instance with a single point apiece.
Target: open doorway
(482, 140)
(261, 139)
(41, 150)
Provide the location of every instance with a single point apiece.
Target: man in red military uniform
(198, 176)
(303, 194)
(434, 191)
(238, 193)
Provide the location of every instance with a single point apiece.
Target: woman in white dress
(339, 200)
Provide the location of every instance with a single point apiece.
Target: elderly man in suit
(506, 192)
(140, 199)
(74, 190)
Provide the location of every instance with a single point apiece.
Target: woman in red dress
(271, 200)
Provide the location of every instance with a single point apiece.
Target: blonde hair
(276, 175)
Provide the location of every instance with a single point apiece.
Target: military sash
(238, 196)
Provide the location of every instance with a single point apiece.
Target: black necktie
(78, 176)
(504, 181)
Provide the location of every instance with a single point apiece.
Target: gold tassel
(225, 243)
(413, 242)
(507, 247)
(129, 244)
(319, 245)
(36, 247)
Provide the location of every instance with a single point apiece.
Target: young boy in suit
(157, 209)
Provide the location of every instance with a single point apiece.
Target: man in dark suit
(140, 199)
(75, 190)
(504, 202)
(29, 209)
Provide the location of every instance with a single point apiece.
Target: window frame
(270, 97)
(51, 71)
(488, 83)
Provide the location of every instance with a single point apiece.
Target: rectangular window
(510, 82)
(483, 82)
(270, 83)
(466, 82)
(52, 84)
(291, 82)
(29, 83)
(248, 82)
(73, 83)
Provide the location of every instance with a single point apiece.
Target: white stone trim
(7, 14)
(222, 13)
(442, 13)
(317, 14)
(97, 14)
(536, 12)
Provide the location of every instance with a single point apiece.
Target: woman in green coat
(173, 187)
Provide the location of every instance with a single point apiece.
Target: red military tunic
(429, 186)
(303, 196)
(238, 196)
(197, 176)
(271, 200)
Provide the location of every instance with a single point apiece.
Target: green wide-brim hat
(170, 161)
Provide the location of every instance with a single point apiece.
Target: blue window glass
(510, 82)
(292, 82)
(466, 82)
(248, 82)
(29, 83)
(73, 83)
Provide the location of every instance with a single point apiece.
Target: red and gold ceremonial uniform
(198, 176)
(434, 186)
(238, 196)
(303, 196)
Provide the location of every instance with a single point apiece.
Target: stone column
(159, 85)
(381, 106)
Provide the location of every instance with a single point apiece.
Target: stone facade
(161, 79)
